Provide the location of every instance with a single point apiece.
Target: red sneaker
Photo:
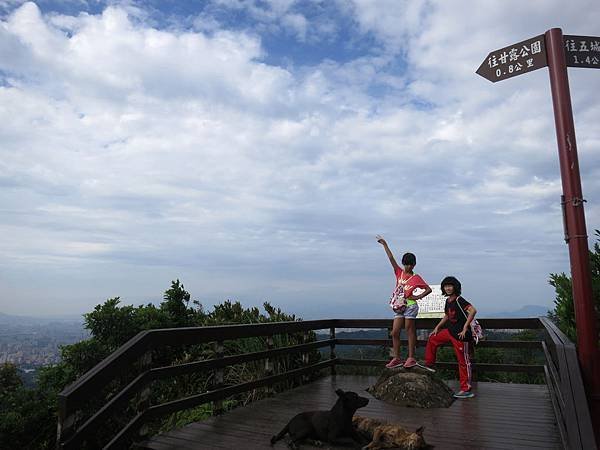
(410, 362)
(395, 362)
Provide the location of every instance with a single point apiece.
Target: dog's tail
(280, 434)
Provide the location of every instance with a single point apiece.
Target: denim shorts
(410, 312)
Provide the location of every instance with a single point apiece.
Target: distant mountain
(355, 334)
(11, 319)
(525, 311)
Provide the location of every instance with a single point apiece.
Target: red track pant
(461, 350)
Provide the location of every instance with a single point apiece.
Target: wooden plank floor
(501, 416)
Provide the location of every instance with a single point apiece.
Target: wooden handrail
(527, 323)
(104, 371)
(534, 345)
(478, 367)
(565, 383)
(71, 399)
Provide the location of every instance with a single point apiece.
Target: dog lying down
(385, 435)
(333, 426)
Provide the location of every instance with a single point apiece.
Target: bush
(564, 310)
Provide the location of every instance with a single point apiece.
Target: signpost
(556, 51)
(530, 55)
(516, 59)
(582, 51)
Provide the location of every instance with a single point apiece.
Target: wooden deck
(501, 416)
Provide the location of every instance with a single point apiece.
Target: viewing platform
(502, 415)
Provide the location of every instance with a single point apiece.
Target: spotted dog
(386, 435)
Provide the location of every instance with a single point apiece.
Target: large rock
(412, 387)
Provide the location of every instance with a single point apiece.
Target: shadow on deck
(501, 416)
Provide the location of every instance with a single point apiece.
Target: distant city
(30, 342)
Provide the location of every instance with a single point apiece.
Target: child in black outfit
(459, 314)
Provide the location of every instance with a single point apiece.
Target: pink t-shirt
(411, 282)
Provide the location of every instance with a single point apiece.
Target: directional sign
(582, 51)
(514, 60)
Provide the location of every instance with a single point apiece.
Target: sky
(254, 148)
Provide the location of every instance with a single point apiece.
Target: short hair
(453, 282)
(409, 259)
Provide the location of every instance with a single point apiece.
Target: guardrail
(74, 430)
(564, 381)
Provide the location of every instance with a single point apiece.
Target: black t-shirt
(456, 319)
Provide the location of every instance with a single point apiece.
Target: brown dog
(386, 435)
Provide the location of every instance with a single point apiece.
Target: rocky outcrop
(412, 387)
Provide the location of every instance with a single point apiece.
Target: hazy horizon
(380, 313)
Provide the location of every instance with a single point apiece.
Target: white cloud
(129, 149)
(297, 23)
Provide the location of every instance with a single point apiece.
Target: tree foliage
(9, 379)
(25, 413)
(564, 311)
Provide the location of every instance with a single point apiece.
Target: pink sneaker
(395, 362)
(410, 362)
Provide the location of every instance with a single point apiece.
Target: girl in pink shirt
(404, 304)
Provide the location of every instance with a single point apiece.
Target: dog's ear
(339, 392)
(420, 431)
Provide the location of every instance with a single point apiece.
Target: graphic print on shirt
(457, 319)
(452, 315)
(405, 285)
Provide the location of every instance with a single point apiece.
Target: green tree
(176, 305)
(9, 379)
(564, 311)
(23, 410)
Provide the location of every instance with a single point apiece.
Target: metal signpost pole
(575, 233)
(558, 52)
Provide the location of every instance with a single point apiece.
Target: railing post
(474, 374)
(269, 366)
(218, 379)
(332, 349)
(143, 400)
(66, 423)
(305, 360)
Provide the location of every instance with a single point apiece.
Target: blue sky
(253, 149)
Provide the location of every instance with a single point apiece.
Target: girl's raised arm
(381, 240)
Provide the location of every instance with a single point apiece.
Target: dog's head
(351, 400)
(415, 440)
(395, 436)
